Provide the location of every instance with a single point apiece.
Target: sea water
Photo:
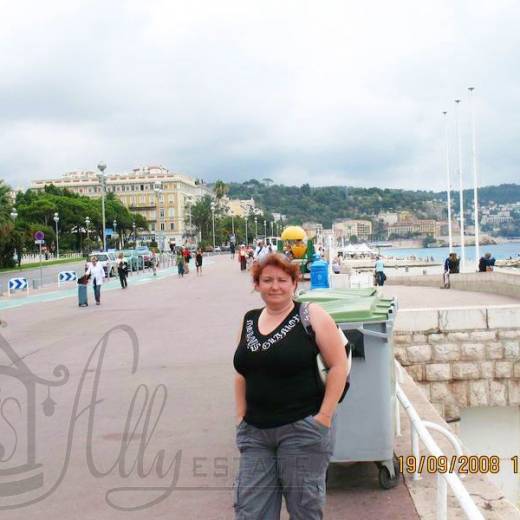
(439, 254)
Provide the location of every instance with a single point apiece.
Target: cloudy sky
(325, 92)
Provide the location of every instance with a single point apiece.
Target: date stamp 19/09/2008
(462, 464)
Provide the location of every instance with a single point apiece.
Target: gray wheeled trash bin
(366, 418)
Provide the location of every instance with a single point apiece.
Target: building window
(171, 212)
(152, 225)
(170, 199)
(153, 215)
(142, 187)
(162, 226)
(162, 213)
(172, 226)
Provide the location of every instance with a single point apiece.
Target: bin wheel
(384, 478)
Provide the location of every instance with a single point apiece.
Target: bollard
(35, 283)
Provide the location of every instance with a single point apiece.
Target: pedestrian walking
(242, 257)
(232, 250)
(379, 274)
(198, 261)
(154, 261)
(180, 264)
(97, 273)
(285, 416)
(122, 270)
(187, 257)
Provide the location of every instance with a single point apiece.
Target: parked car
(146, 253)
(133, 259)
(107, 261)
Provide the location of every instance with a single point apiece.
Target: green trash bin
(365, 420)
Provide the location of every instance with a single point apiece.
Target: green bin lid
(348, 305)
(317, 295)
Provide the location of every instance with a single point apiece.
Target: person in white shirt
(97, 273)
(261, 251)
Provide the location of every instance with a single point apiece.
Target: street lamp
(256, 227)
(461, 189)
(14, 214)
(213, 220)
(135, 238)
(114, 226)
(272, 228)
(246, 229)
(102, 167)
(56, 220)
(87, 224)
(265, 229)
(157, 188)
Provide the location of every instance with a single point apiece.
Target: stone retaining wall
(462, 356)
(496, 282)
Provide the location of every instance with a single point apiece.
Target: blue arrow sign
(67, 276)
(18, 283)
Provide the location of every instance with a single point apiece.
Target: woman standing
(198, 261)
(285, 417)
(97, 273)
(242, 258)
(122, 270)
(180, 264)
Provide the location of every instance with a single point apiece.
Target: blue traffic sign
(67, 276)
(17, 284)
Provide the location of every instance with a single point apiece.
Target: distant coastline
(470, 241)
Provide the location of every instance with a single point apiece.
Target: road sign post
(39, 240)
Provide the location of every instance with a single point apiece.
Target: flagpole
(450, 237)
(461, 195)
(475, 174)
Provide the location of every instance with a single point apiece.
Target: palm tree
(220, 189)
(5, 203)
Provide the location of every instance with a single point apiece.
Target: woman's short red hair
(275, 260)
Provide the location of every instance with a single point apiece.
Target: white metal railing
(419, 431)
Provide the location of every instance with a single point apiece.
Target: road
(176, 459)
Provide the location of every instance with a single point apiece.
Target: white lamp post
(448, 178)
(14, 215)
(114, 225)
(102, 167)
(87, 224)
(135, 237)
(461, 195)
(157, 188)
(246, 229)
(213, 222)
(256, 227)
(272, 228)
(475, 174)
(265, 229)
(56, 220)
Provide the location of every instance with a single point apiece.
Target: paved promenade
(186, 330)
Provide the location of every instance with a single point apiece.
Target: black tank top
(282, 384)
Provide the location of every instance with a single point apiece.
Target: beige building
(241, 208)
(159, 195)
(362, 229)
(413, 226)
(313, 230)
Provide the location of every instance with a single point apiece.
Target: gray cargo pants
(290, 460)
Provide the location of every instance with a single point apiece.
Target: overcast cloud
(329, 92)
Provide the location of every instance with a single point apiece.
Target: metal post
(475, 174)
(246, 232)
(450, 237)
(442, 497)
(41, 270)
(461, 194)
(56, 220)
(101, 167)
(415, 451)
(232, 224)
